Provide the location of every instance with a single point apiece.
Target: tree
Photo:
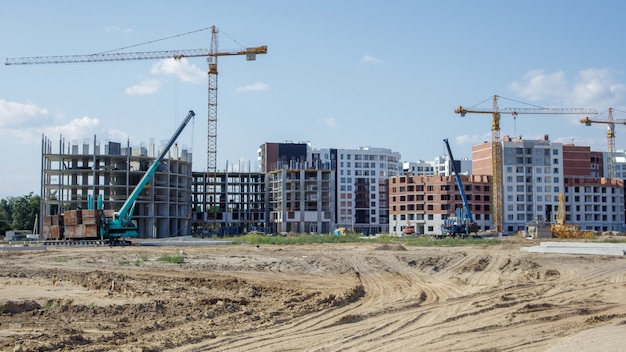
(5, 217)
(23, 211)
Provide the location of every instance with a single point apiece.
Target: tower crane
(496, 149)
(610, 134)
(212, 54)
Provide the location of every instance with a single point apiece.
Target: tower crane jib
(496, 148)
(212, 54)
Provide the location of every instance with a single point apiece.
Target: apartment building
(535, 172)
(75, 175)
(424, 202)
(361, 178)
(596, 204)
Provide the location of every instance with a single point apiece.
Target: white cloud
(589, 88)
(255, 87)
(18, 115)
(82, 127)
(149, 86)
(371, 59)
(182, 69)
(471, 140)
(330, 122)
(537, 85)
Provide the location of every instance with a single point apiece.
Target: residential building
(424, 202)
(361, 178)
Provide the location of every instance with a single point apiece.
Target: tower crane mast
(610, 134)
(212, 54)
(496, 146)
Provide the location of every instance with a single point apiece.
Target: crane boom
(610, 134)
(212, 54)
(459, 184)
(496, 150)
(129, 56)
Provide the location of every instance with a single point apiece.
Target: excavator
(120, 227)
(462, 224)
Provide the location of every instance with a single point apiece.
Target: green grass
(357, 238)
(60, 260)
(124, 262)
(174, 259)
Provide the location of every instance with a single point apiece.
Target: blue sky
(339, 74)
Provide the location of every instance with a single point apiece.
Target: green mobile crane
(117, 229)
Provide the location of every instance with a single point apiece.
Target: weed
(174, 259)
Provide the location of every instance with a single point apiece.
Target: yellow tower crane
(610, 134)
(212, 54)
(496, 147)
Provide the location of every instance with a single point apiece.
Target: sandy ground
(351, 297)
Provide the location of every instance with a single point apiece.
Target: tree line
(18, 213)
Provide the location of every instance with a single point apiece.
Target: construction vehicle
(462, 223)
(560, 229)
(212, 54)
(496, 145)
(610, 134)
(120, 226)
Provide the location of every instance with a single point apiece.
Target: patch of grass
(50, 305)
(422, 241)
(123, 262)
(144, 257)
(137, 262)
(174, 259)
(60, 260)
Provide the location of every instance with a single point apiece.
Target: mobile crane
(462, 224)
(121, 226)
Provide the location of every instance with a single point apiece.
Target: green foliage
(298, 239)
(18, 213)
(124, 262)
(49, 305)
(175, 259)
(60, 260)
(357, 238)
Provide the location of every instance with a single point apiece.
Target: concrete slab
(614, 249)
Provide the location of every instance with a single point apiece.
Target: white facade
(441, 166)
(595, 204)
(532, 179)
(362, 175)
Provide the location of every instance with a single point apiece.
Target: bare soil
(327, 297)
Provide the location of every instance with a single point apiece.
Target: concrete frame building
(301, 200)
(75, 175)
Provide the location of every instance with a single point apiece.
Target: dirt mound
(391, 247)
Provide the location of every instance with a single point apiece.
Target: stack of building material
(597, 248)
(73, 218)
(52, 227)
(90, 223)
(81, 224)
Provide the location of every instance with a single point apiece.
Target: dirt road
(351, 297)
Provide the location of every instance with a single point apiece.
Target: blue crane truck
(462, 223)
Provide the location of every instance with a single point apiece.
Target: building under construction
(89, 176)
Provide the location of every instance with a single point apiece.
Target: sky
(337, 74)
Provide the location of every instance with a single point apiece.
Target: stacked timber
(81, 224)
(72, 220)
(52, 225)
